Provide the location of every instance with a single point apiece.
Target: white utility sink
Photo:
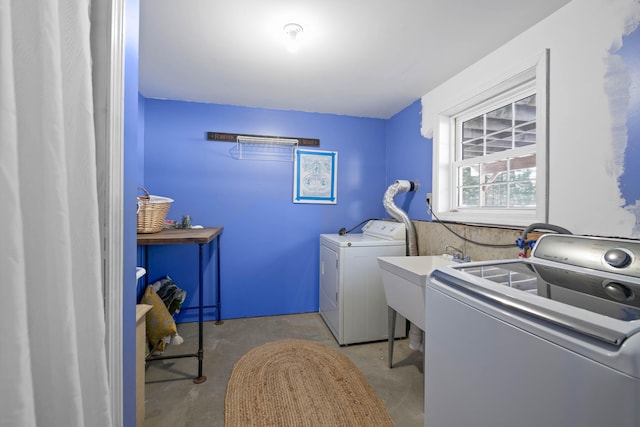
(404, 279)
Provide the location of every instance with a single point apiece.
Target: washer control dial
(618, 291)
(617, 258)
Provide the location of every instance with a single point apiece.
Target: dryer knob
(617, 258)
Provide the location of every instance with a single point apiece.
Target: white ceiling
(367, 58)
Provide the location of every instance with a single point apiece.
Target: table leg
(146, 266)
(200, 378)
(218, 299)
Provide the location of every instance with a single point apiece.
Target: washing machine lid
(575, 301)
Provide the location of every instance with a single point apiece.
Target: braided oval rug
(300, 383)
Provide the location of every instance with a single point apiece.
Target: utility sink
(404, 279)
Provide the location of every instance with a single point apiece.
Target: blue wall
(270, 246)
(409, 157)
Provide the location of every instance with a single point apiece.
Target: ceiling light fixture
(293, 36)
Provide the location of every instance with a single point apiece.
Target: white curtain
(53, 369)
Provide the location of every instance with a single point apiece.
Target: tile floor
(172, 399)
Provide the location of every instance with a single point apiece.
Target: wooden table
(201, 237)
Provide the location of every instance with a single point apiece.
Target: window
(495, 162)
(490, 153)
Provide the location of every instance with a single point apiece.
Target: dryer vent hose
(402, 186)
(416, 336)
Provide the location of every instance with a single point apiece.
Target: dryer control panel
(387, 230)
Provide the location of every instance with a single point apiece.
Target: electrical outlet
(429, 199)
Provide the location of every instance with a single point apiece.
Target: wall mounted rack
(233, 137)
(262, 147)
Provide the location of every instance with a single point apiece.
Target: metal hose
(540, 226)
(402, 186)
(416, 335)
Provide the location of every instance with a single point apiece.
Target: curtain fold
(54, 370)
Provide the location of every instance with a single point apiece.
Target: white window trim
(444, 150)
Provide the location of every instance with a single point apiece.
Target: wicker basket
(152, 211)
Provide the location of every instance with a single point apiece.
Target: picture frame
(315, 176)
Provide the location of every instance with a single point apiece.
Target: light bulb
(293, 36)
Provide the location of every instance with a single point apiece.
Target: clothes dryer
(351, 295)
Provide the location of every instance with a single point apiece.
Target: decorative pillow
(160, 323)
(170, 293)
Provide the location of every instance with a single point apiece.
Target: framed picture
(315, 176)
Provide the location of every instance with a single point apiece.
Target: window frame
(507, 98)
(532, 74)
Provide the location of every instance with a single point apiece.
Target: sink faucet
(458, 255)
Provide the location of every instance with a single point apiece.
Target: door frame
(108, 48)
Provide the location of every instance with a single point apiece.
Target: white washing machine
(551, 340)
(352, 300)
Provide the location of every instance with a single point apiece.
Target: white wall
(586, 126)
